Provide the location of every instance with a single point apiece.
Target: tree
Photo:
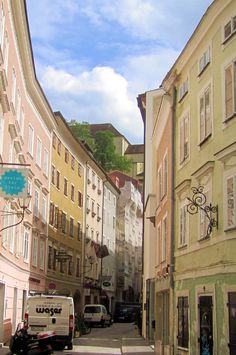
(105, 153)
(82, 132)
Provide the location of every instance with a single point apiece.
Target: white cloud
(99, 95)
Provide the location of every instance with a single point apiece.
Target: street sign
(13, 182)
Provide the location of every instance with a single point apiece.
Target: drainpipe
(172, 199)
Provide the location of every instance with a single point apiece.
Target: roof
(135, 149)
(96, 127)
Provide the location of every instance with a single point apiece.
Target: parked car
(96, 314)
(126, 311)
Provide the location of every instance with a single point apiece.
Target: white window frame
(45, 162)
(165, 174)
(158, 258)
(18, 107)
(232, 23)
(14, 88)
(183, 221)
(204, 60)
(183, 89)
(184, 134)
(228, 225)
(2, 26)
(159, 184)
(203, 114)
(36, 202)
(39, 152)
(232, 67)
(163, 238)
(44, 209)
(31, 140)
(34, 250)
(26, 244)
(6, 52)
(42, 254)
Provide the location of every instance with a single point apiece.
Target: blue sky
(94, 57)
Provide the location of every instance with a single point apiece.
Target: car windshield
(92, 309)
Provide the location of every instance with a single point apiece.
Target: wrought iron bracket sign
(198, 203)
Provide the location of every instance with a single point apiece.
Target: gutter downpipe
(172, 203)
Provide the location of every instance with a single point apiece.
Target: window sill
(204, 140)
(202, 71)
(229, 229)
(230, 118)
(202, 239)
(183, 349)
(184, 246)
(181, 99)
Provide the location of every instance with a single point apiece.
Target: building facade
(26, 124)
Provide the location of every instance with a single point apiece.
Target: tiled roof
(135, 149)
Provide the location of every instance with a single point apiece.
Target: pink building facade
(26, 123)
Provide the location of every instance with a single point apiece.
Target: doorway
(206, 325)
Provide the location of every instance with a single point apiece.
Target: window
(230, 90)
(164, 238)
(26, 244)
(13, 94)
(159, 184)
(22, 120)
(2, 25)
(80, 199)
(58, 180)
(183, 89)
(72, 193)
(98, 211)
(51, 213)
(231, 201)
(93, 208)
(66, 155)
(53, 175)
(65, 187)
(232, 321)
(41, 254)
(6, 52)
(205, 115)
(34, 250)
(50, 257)
(183, 322)
(31, 140)
(204, 221)
(54, 140)
(158, 243)
(165, 168)
(79, 231)
(72, 162)
(38, 151)
(56, 217)
(204, 60)
(230, 28)
(183, 225)
(36, 203)
(18, 107)
(184, 138)
(63, 222)
(79, 169)
(71, 227)
(77, 267)
(44, 209)
(1, 134)
(114, 222)
(59, 147)
(70, 265)
(45, 162)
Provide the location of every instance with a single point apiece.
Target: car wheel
(103, 323)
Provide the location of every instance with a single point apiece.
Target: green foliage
(102, 146)
(82, 132)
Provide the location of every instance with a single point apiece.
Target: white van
(54, 313)
(97, 314)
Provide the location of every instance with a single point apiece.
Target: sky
(94, 57)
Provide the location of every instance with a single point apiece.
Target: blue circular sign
(12, 182)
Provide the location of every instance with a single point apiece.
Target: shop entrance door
(206, 326)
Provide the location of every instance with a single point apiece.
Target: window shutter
(208, 112)
(231, 201)
(202, 119)
(228, 92)
(181, 141)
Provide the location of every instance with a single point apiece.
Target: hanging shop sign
(13, 182)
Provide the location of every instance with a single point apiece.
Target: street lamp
(23, 203)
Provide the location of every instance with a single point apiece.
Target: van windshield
(92, 309)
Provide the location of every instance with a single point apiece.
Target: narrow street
(120, 338)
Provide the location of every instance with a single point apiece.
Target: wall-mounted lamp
(198, 203)
(152, 220)
(23, 203)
